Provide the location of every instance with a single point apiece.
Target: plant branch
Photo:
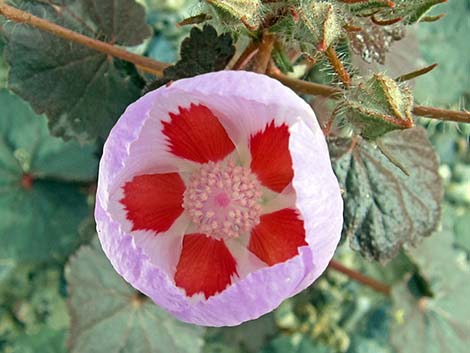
(246, 55)
(359, 277)
(442, 114)
(156, 67)
(317, 89)
(264, 53)
(305, 87)
(338, 66)
(414, 74)
(145, 63)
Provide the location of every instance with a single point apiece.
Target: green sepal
(377, 106)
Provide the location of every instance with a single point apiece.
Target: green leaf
(384, 208)
(33, 313)
(439, 323)
(361, 344)
(371, 335)
(318, 26)
(377, 106)
(410, 11)
(40, 207)
(110, 316)
(246, 11)
(282, 60)
(296, 343)
(368, 8)
(248, 337)
(45, 341)
(81, 91)
(202, 52)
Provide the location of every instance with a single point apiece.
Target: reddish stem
(359, 277)
(246, 56)
(338, 66)
(264, 53)
(416, 73)
(305, 87)
(442, 114)
(156, 67)
(147, 64)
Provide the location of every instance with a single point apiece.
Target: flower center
(223, 199)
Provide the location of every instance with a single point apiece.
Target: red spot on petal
(154, 201)
(278, 236)
(271, 160)
(206, 265)
(197, 134)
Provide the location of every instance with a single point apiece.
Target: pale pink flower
(216, 197)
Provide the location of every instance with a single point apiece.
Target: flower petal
(318, 196)
(136, 145)
(205, 266)
(278, 236)
(153, 201)
(270, 157)
(246, 299)
(196, 134)
(245, 102)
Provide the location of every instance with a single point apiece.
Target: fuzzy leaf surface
(384, 207)
(110, 316)
(81, 91)
(202, 52)
(439, 323)
(39, 220)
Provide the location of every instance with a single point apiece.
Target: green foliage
(164, 17)
(248, 337)
(410, 11)
(40, 208)
(44, 206)
(391, 199)
(438, 323)
(110, 316)
(377, 106)
(320, 25)
(81, 91)
(45, 341)
(246, 11)
(202, 52)
(312, 26)
(294, 344)
(33, 314)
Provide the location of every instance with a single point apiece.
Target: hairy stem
(264, 53)
(442, 114)
(359, 277)
(246, 56)
(338, 66)
(156, 67)
(146, 64)
(305, 87)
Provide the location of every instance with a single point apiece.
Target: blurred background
(58, 293)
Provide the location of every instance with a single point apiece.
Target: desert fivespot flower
(216, 197)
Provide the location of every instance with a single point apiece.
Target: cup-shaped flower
(216, 197)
